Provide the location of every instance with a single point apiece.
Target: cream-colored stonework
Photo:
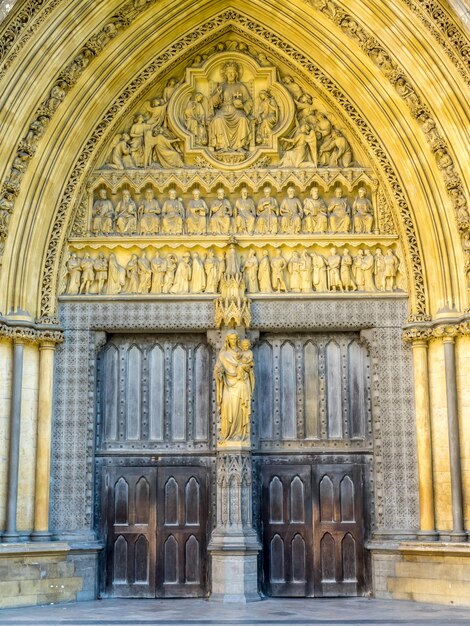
(239, 152)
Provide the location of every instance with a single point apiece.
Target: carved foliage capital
(21, 334)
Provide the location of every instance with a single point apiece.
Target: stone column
(44, 429)
(448, 334)
(234, 545)
(11, 535)
(419, 340)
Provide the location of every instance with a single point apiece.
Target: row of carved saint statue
(265, 217)
(301, 272)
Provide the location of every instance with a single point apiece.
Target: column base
(12, 537)
(427, 535)
(234, 566)
(40, 535)
(453, 536)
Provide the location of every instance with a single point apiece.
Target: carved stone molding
(336, 99)
(417, 335)
(62, 85)
(403, 84)
(447, 330)
(31, 335)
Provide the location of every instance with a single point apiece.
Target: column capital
(417, 335)
(446, 332)
(32, 334)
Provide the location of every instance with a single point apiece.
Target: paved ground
(272, 612)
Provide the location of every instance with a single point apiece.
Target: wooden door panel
(182, 532)
(129, 502)
(338, 533)
(287, 530)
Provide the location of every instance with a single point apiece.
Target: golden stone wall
(401, 92)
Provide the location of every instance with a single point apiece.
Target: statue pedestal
(234, 545)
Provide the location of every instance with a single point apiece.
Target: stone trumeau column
(234, 544)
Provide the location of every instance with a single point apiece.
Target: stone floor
(272, 612)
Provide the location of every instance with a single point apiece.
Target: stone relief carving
(234, 381)
(314, 77)
(233, 275)
(287, 214)
(228, 110)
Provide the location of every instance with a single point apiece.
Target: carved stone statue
(267, 116)
(320, 276)
(198, 274)
(334, 278)
(158, 267)
(74, 271)
(301, 148)
(132, 275)
(88, 274)
(315, 213)
(234, 379)
(250, 271)
(336, 150)
(196, 216)
(278, 266)
(368, 270)
(294, 266)
(149, 213)
(391, 270)
(267, 211)
(338, 209)
(306, 272)
(171, 265)
(116, 277)
(136, 134)
(101, 271)
(126, 214)
(172, 215)
(220, 214)
(379, 270)
(103, 213)
(291, 213)
(362, 213)
(244, 212)
(195, 118)
(145, 274)
(182, 275)
(165, 148)
(358, 270)
(231, 105)
(264, 273)
(346, 271)
(121, 157)
(211, 266)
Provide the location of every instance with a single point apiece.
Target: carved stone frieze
(338, 101)
(114, 208)
(232, 272)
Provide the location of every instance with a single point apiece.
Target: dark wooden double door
(313, 534)
(155, 528)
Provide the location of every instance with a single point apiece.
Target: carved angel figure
(267, 116)
(195, 118)
(301, 148)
